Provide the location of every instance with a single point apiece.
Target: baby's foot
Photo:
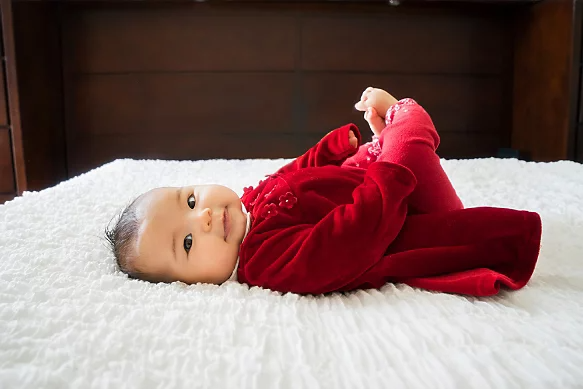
(375, 98)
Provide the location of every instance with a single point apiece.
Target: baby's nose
(206, 219)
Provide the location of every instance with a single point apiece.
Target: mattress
(70, 319)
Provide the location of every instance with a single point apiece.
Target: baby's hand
(352, 139)
(375, 121)
(377, 99)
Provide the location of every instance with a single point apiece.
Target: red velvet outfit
(339, 218)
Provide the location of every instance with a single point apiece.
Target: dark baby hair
(121, 238)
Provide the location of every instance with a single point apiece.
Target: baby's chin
(213, 280)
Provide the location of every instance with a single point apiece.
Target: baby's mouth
(226, 223)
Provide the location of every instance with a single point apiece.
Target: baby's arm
(397, 120)
(375, 103)
(333, 149)
(343, 245)
(411, 140)
(343, 143)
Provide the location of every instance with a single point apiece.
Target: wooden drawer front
(581, 87)
(578, 140)
(178, 39)
(6, 167)
(3, 105)
(425, 43)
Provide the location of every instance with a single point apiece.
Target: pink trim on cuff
(393, 109)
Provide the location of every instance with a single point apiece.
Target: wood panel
(543, 86)
(91, 151)
(178, 103)
(577, 139)
(456, 103)
(197, 81)
(131, 104)
(171, 39)
(13, 95)
(41, 104)
(6, 197)
(3, 102)
(435, 42)
(7, 184)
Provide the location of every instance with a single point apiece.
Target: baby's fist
(375, 98)
(352, 139)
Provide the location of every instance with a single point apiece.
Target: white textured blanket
(69, 319)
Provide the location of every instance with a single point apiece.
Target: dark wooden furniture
(548, 114)
(12, 166)
(244, 79)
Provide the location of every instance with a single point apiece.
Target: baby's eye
(191, 201)
(188, 242)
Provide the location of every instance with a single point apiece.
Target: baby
(342, 216)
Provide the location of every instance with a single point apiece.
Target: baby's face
(190, 234)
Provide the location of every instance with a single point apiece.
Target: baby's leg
(410, 139)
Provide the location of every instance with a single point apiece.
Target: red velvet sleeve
(395, 122)
(343, 245)
(333, 149)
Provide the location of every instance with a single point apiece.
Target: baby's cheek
(229, 259)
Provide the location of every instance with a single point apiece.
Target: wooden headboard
(251, 80)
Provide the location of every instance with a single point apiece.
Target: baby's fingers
(376, 123)
(362, 104)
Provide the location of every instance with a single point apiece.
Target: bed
(69, 319)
